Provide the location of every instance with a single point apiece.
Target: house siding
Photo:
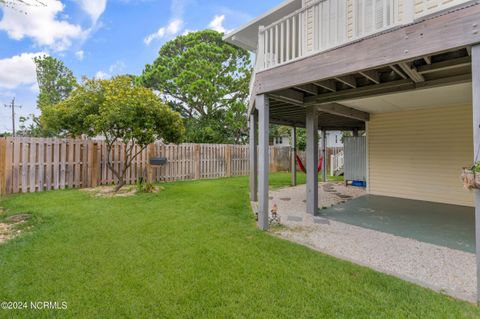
(309, 25)
(425, 7)
(419, 154)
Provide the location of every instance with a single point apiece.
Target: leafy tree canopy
(55, 81)
(119, 110)
(207, 81)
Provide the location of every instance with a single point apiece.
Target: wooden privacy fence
(41, 164)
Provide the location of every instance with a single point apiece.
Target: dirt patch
(10, 228)
(108, 191)
(5, 233)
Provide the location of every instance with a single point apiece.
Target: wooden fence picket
(41, 164)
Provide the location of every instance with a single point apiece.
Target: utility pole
(13, 106)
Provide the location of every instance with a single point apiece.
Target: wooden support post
(228, 160)
(3, 166)
(294, 156)
(253, 144)
(93, 164)
(324, 155)
(476, 148)
(355, 132)
(312, 159)
(150, 154)
(262, 104)
(197, 160)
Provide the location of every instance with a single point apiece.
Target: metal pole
(476, 147)
(312, 159)
(294, 156)
(12, 106)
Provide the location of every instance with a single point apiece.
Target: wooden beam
(445, 65)
(372, 75)
(312, 160)
(307, 88)
(427, 59)
(397, 70)
(386, 88)
(289, 96)
(348, 80)
(370, 90)
(327, 85)
(441, 33)
(263, 159)
(411, 71)
(253, 146)
(469, 51)
(342, 110)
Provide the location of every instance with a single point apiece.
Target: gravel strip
(446, 270)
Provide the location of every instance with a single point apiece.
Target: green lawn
(191, 251)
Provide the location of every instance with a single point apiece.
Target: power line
(13, 106)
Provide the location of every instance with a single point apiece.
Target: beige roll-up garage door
(419, 154)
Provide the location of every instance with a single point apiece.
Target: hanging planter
(471, 177)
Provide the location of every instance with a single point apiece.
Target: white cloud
(34, 88)
(178, 8)
(117, 67)
(94, 8)
(18, 70)
(172, 29)
(100, 75)
(114, 69)
(217, 24)
(187, 31)
(80, 55)
(42, 24)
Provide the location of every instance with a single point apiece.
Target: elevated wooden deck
(429, 53)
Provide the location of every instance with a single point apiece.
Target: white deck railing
(326, 24)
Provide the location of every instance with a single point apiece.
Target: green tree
(55, 81)
(207, 81)
(30, 126)
(120, 111)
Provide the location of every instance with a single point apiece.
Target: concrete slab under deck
(445, 225)
(425, 243)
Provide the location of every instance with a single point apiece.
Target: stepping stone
(270, 198)
(294, 219)
(321, 221)
(344, 196)
(286, 199)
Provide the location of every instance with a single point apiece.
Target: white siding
(419, 154)
(425, 7)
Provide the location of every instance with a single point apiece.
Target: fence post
(197, 161)
(3, 166)
(150, 154)
(93, 163)
(228, 160)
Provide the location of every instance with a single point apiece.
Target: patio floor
(426, 243)
(439, 224)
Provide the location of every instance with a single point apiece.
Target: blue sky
(101, 37)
